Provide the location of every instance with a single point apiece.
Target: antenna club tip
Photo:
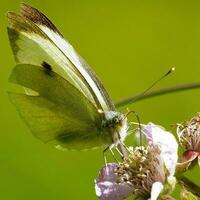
(173, 69)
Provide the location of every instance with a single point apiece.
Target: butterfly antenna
(145, 91)
(157, 81)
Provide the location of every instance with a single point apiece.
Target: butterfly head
(116, 123)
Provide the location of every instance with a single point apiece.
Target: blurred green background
(129, 44)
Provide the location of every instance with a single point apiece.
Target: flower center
(142, 168)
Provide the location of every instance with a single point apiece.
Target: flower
(189, 138)
(146, 172)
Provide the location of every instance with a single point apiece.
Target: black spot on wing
(46, 66)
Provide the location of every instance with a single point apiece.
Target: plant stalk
(154, 93)
(191, 186)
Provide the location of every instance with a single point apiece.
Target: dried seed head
(189, 134)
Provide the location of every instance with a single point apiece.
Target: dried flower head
(189, 138)
(189, 134)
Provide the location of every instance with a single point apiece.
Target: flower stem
(154, 93)
(191, 186)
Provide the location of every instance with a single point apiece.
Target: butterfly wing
(59, 112)
(34, 39)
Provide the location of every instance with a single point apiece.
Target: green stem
(191, 186)
(154, 93)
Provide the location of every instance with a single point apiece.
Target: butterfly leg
(124, 147)
(104, 155)
(111, 151)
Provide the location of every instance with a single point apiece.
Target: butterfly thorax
(115, 124)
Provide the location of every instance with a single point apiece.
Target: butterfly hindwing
(48, 123)
(54, 114)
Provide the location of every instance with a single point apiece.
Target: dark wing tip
(37, 17)
(23, 4)
(31, 13)
(7, 14)
(12, 18)
(10, 15)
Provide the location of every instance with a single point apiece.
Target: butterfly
(64, 101)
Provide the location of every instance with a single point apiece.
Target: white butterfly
(65, 101)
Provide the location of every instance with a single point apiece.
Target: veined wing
(55, 114)
(34, 39)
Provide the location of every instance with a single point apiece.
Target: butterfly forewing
(32, 26)
(31, 46)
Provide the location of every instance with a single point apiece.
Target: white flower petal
(166, 142)
(156, 189)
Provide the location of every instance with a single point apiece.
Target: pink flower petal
(189, 156)
(107, 188)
